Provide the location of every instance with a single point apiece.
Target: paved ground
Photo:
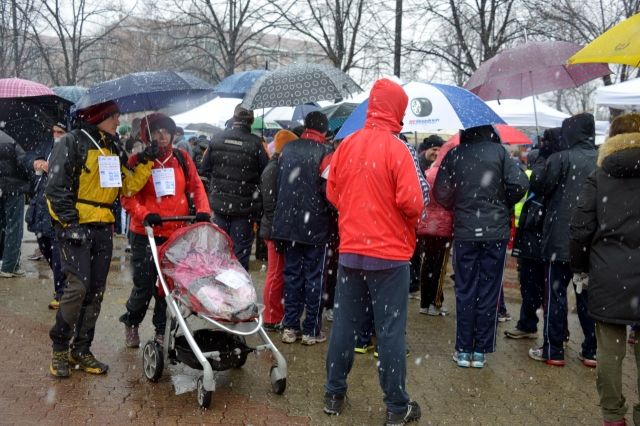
(512, 389)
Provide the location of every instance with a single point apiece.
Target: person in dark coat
(38, 217)
(14, 184)
(233, 163)
(428, 151)
(604, 250)
(180, 142)
(560, 179)
(481, 184)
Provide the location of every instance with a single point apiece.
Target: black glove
(203, 217)
(546, 151)
(75, 234)
(150, 153)
(152, 219)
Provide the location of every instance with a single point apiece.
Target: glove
(581, 281)
(150, 153)
(74, 233)
(153, 219)
(203, 217)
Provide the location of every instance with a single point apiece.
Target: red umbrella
(19, 88)
(508, 135)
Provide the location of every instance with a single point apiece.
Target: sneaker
(375, 352)
(131, 338)
(415, 295)
(621, 422)
(333, 404)
(59, 366)
(159, 338)
(463, 359)
(398, 419)
(276, 326)
(363, 349)
(519, 334)
(432, 310)
(16, 273)
(477, 360)
(291, 336)
(329, 314)
(88, 363)
(55, 303)
(632, 337)
(309, 340)
(587, 361)
(504, 316)
(37, 255)
(127, 249)
(536, 353)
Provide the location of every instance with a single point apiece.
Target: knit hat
(282, 137)
(124, 129)
(96, 114)
(156, 121)
(61, 124)
(430, 142)
(317, 121)
(298, 130)
(242, 115)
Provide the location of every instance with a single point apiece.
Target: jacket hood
(479, 134)
(532, 156)
(620, 155)
(554, 137)
(387, 105)
(579, 130)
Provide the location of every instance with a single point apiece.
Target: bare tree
(16, 51)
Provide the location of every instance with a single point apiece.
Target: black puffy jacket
(480, 182)
(14, 176)
(560, 180)
(605, 234)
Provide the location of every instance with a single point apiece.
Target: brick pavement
(512, 389)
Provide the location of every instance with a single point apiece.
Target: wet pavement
(512, 389)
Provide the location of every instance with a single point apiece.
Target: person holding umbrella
(87, 173)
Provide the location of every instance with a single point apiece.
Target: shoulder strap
(183, 163)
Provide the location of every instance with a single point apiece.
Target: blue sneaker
(462, 358)
(477, 360)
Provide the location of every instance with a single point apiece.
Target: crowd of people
(354, 229)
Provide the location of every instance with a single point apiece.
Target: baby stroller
(201, 278)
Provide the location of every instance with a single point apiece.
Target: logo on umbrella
(421, 107)
(622, 46)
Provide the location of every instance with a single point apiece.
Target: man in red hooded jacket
(376, 185)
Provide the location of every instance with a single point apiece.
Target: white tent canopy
(625, 95)
(215, 112)
(519, 113)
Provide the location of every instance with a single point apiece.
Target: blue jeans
(531, 287)
(11, 218)
(387, 289)
(240, 230)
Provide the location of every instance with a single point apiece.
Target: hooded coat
(605, 235)
(560, 180)
(14, 177)
(480, 183)
(376, 184)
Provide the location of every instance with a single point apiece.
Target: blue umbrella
(238, 84)
(432, 106)
(70, 93)
(145, 91)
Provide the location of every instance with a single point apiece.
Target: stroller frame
(153, 355)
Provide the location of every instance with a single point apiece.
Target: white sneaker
(432, 310)
(329, 314)
(16, 273)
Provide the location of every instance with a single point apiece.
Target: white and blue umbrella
(432, 106)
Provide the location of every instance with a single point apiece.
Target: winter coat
(605, 236)
(480, 183)
(303, 213)
(73, 192)
(37, 217)
(182, 144)
(560, 180)
(14, 176)
(438, 221)
(234, 163)
(269, 190)
(376, 184)
(145, 201)
(199, 148)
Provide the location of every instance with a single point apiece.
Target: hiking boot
(55, 303)
(16, 273)
(333, 404)
(364, 348)
(309, 340)
(159, 338)
(519, 334)
(131, 338)
(291, 336)
(88, 363)
(463, 359)
(477, 360)
(432, 310)
(536, 353)
(589, 362)
(59, 366)
(329, 314)
(398, 419)
(504, 316)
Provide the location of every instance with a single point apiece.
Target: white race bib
(109, 169)
(164, 181)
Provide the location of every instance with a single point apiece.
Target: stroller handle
(173, 219)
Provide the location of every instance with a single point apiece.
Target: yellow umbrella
(619, 45)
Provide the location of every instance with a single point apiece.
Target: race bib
(164, 181)
(110, 175)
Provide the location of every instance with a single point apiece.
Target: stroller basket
(233, 350)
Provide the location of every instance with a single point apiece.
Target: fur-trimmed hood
(616, 144)
(620, 155)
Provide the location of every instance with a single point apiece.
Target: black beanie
(430, 142)
(317, 121)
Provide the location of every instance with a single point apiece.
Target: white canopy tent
(215, 112)
(625, 95)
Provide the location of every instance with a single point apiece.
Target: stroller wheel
(152, 361)
(278, 385)
(242, 358)
(204, 396)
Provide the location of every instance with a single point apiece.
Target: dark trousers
(51, 251)
(240, 230)
(144, 286)
(558, 275)
(387, 291)
(86, 267)
(304, 281)
(11, 220)
(366, 329)
(434, 249)
(414, 267)
(479, 267)
(332, 271)
(532, 288)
